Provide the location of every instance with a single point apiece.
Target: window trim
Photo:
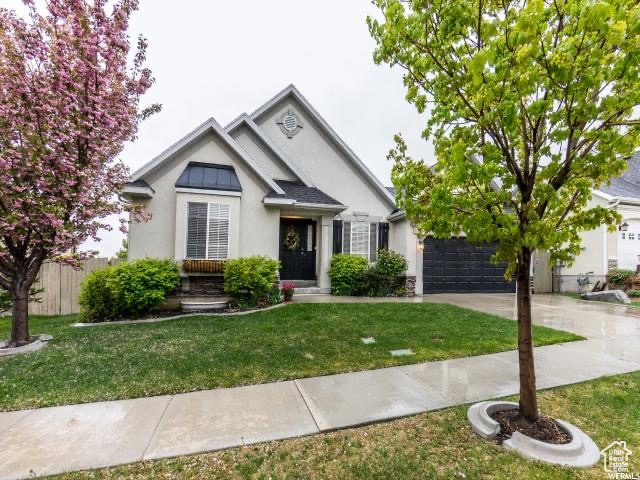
(206, 246)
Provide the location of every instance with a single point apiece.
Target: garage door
(457, 266)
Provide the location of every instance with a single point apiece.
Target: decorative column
(326, 247)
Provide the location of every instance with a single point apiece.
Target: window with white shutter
(208, 230)
(360, 238)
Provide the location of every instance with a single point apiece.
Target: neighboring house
(280, 182)
(601, 249)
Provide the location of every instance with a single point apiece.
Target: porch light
(421, 244)
(624, 227)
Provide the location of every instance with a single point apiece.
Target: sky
(222, 58)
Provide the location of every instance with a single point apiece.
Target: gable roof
(210, 125)
(303, 194)
(209, 176)
(247, 121)
(292, 91)
(626, 185)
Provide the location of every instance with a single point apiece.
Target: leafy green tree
(531, 106)
(123, 253)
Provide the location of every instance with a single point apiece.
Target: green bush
(352, 275)
(345, 272)
(250, 280)
(633, 293)
(97, 299)
(619, 276)
(371, 283)
(129, 290)
(143, 284)
(390, 264)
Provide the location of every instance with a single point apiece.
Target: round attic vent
(289, 123)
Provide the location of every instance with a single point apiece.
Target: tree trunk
(20, 314)
(528, 396)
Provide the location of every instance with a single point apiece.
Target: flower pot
(288, 297)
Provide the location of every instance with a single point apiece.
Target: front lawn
(110, 362)
(435, 445)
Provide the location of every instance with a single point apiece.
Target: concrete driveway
(588, 319)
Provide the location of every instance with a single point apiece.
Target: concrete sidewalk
(74, 437)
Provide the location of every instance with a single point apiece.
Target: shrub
(250, 280)
(371, 283)
(97, 298)
(143, 284)
(619, 276)
(345, 271)
(633, 293)
(129, 290)
(351, 275)
(390, 264)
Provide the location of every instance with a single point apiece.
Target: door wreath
(292, 239)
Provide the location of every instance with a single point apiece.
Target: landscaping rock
(615, 296)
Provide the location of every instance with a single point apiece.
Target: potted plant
(288, 289)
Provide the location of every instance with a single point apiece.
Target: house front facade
(278, 182)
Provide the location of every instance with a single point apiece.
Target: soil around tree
(544, 429)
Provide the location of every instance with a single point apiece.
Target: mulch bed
(544, 429)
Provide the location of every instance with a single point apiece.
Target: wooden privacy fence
(61, 285)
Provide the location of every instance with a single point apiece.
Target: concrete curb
(39, 343)
(580, 452)
(175, 317)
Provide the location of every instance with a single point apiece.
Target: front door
(297, 249)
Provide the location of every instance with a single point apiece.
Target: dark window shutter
(346, 235)
(383, 236)
(337, 236)
(373, 242)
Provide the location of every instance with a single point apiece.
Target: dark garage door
(457, 266)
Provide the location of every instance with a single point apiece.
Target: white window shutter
(196, 230)
(218, 231)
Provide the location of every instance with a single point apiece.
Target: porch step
(203, 304)
(312, 291)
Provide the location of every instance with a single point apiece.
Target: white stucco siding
(261, 153)
(627, 249)
(598, 246)
(256, 226)
(322, 161)
(403, 239)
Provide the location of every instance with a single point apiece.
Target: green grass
(127, 361)
(435, 445)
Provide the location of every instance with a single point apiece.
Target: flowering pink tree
(69, 100)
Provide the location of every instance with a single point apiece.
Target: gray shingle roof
(209, 176)
(628, 184)
(301, 193)
(140, 183)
